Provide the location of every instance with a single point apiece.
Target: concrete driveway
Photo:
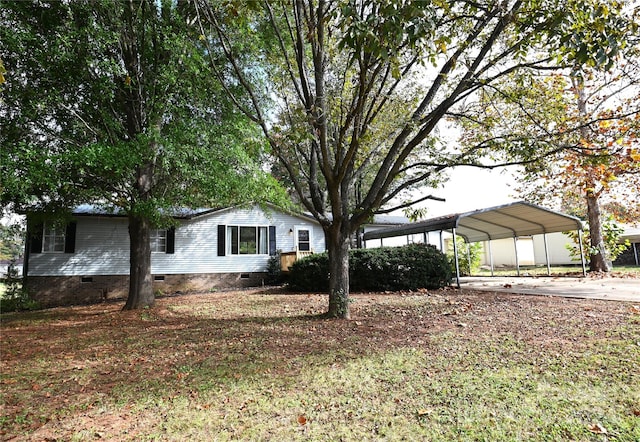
(608, 288)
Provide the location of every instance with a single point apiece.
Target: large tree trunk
(599, 261)
(338, 248)
(140, 282)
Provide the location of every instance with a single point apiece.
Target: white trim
(296, 230)
(59, 231)
(256, 227)
(156, 235)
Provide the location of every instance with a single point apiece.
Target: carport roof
(506, 221)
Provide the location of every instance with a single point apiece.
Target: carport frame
(499, 222)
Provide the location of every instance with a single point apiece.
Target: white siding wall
(529, 250)
(558, 254)
(102, 246)
(196, 247)
(503, 252)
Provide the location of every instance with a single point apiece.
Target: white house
(87, 260)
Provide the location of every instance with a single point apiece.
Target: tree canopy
(111, 102)
(581, 120)
(361, 90)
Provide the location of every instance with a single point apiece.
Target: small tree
(469, 256)
(613, 246)
(274, 268)
(15, 297)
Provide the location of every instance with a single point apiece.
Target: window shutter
(222, 236)
(35, 238)
(70, 238)
(272, 240)
(171, 240)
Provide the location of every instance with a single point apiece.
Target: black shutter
(222, 243)
(272, 240)
(171, 240)
(35, 238)
(70, 237)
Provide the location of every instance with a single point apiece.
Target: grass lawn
(444, 365)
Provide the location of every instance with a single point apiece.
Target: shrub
(387, 268)
(274, 271)
(310, 273)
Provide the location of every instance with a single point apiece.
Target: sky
(468, 189)
(471, 188)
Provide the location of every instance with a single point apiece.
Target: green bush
(274, 270)
(310, 273)
(387, 268)
(469, 256)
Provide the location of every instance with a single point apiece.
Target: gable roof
(506, 221)
(98, 210)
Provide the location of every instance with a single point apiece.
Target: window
(304, 240)
(247, 240)
(53, 238)
(158, 240)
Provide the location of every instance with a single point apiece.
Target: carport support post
(490, 256)
(546, 254)
(515, 246)
(584, 267)
(635, 252)
(455, 255)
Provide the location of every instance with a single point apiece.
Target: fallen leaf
(636, 411)
(302, 420)
(598, 429)
(424, 412)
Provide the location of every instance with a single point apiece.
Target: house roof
(177, 213)
(98, 210)
(186, 213)
(506, 221)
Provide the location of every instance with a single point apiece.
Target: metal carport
(506, 221)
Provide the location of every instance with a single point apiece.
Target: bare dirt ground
(73, 358)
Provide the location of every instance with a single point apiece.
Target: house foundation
(53, 291)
